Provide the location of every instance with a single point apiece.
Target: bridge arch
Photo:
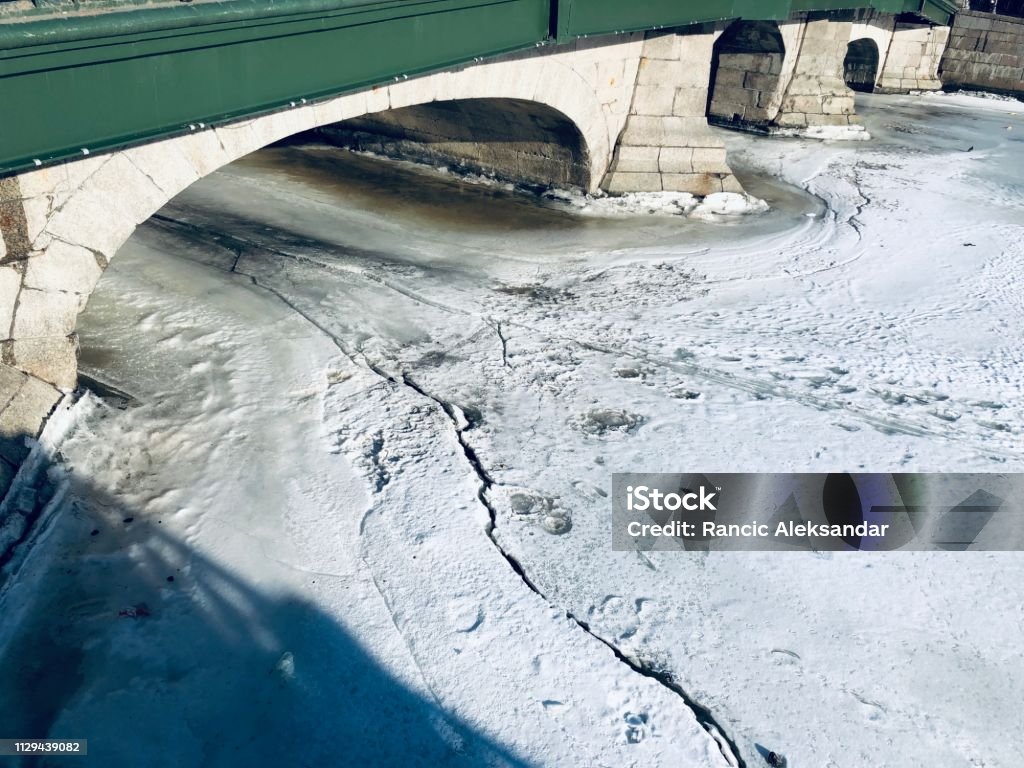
(78, 214)
(747, 73)
(520, 141)
(860, 67)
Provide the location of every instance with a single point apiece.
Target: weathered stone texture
(817, 93)
(748, 73)
(912, 61)
(53, 359)
(25, 404)
(10, 287)
(985, 51)
(14, 238)
(666, 144)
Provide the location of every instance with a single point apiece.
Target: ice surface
(828, 132)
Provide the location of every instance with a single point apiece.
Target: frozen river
(356, 509)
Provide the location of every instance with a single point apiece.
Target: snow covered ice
(361, 486)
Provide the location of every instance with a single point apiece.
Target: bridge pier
(782, 75)
(817, 93)
(666, 143)
(912, 61)
(887, 55)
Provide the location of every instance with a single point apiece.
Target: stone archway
(63, 224)
(516, 140)
(860, 67)
(747, 74)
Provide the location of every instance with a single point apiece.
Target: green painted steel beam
(578, 18)
(108, 79)
(938, 11)
(115, 79)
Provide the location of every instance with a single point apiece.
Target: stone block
(378, 99)
(339, 108)
(644, 131)
(46, 313)
(728, 110)
(792, 120)
(729, 78)
(690, 102)
(837, 105)
(824, 48)
(710, 160)
(653, 100)
(814, 120)
(620, 183)
(805, 104)
(758, 82)
(419, 90)
(676, 160)
(237, 139)
(11, 380)
(107, 207)
(700, 184)
(609, 74)
(13, 224)
(63, 267)
(53, 359)
(204, 151)
(164, 163)
(637, 159)
(745, 62)
(662, 46)
(282, 124)
(747, 98)
(690, 132)
(731, 184)
(658, 72)
(23, 415)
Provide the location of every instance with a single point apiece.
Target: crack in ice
(702, 714)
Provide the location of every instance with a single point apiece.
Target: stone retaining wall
(985, 51)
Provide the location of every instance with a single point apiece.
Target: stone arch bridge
(112, 108)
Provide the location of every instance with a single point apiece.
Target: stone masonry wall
(32, 365)
(666, 143)
(912, 62)
(985, 51)
(747, 79)
(817, 93)
(745, 85)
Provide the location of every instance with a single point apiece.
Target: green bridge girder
(125, 73)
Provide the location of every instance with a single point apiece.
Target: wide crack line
(702, 714)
